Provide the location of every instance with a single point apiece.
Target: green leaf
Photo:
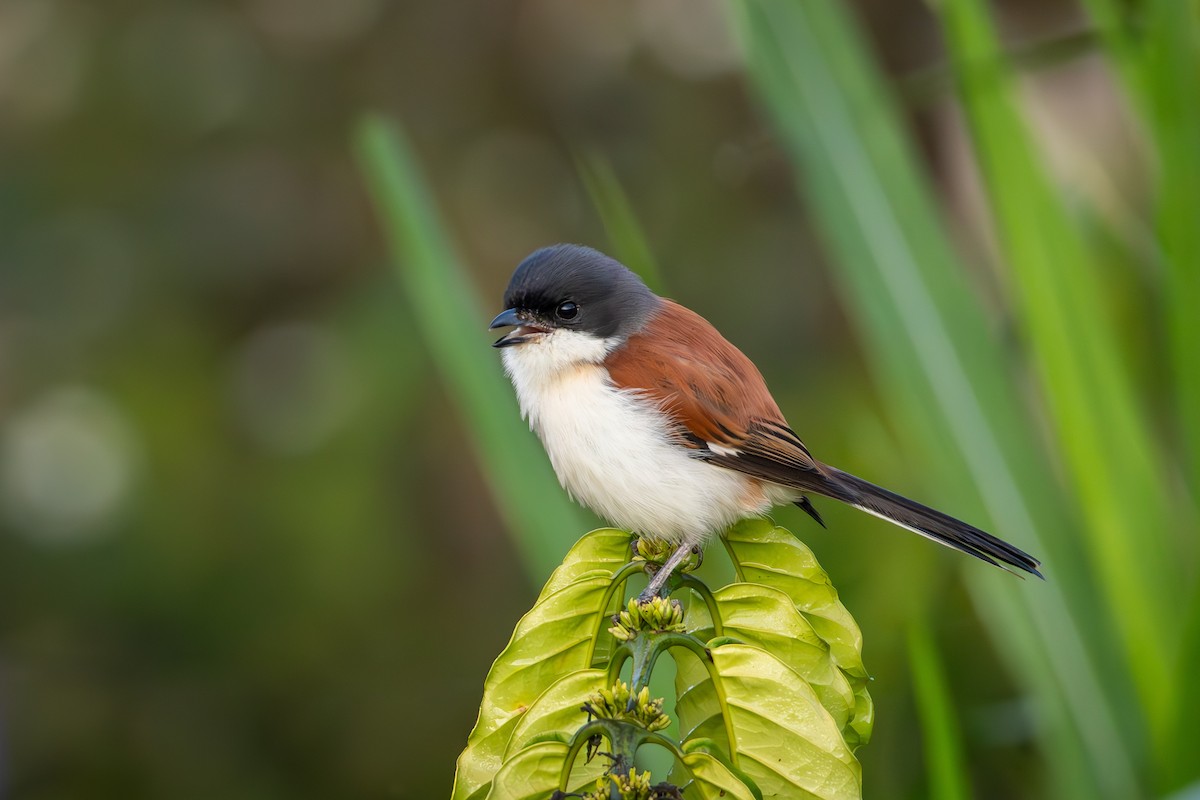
(440, 297)
(533, 774)
(782, 736)
(770, 555)
(712, 780)
(862, 722)
(601, 552)
(559, 708)
(767, 618)
(768, 719)
(555, 638)
(698, 706)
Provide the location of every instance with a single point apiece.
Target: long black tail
(923, 520)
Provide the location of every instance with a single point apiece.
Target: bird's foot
(659, 581)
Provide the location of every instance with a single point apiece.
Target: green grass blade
(448, 314)
(929, 342)
(1178, 763)
(944, 758)
(1024, 628)
(1174, 79)
(629, 243)
(1105, 438)
(1160, 63)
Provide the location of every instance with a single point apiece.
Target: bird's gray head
(569, 287)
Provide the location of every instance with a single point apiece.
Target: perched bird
(661, 426)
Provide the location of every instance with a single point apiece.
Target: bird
(656, 422)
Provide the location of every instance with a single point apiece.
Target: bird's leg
(660, 578)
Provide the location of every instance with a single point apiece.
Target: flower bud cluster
(653, 550)
(657, 614)
(634, 786)
(615, 703)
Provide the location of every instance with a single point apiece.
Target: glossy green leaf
(600, 552)
(765, 553)
(767, 618)
(533, 774)
(559, 708)
(712, 780)
(862, 722)
(697, 704)
(770, 721)
(555, 638)
(782, 736)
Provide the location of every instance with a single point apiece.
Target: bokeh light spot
(67, 465)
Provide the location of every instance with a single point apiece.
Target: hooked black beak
(505, 319)
(521, 329)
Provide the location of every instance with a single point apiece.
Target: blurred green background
(267, 513)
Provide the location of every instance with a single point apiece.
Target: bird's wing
(724, 412)
(716, 395)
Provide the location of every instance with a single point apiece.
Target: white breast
(609, 449)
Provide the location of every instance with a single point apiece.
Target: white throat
(536, 366)
(612, 448)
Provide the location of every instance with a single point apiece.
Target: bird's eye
(567, 310)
